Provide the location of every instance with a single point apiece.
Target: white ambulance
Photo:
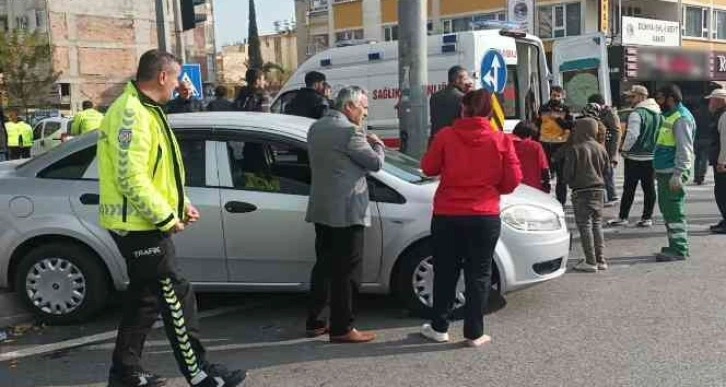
(524, 85)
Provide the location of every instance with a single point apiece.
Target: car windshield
(404, 167)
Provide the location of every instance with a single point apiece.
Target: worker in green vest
(20, 136)
(672, 161)
(87, 120)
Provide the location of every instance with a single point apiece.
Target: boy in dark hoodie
(584, 169)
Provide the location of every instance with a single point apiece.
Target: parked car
(55, 255)
(49, 133)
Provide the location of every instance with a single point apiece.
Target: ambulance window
(580, 84)
(530, 78)
(509, 98)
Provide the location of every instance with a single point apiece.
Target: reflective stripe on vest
(665, 134)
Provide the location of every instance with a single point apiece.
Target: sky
(231, 18)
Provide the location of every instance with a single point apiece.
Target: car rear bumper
(531, 258)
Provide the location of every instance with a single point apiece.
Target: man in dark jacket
(3, 137)
(253, 97)
(702, 140)
(609, 118)
(185, 102)
(310, 101)
(584, 168)
(717, 105)
(445, 105)
(220, 103)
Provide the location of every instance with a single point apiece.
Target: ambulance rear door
(580, 65)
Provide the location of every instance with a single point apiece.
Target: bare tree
(26, 62)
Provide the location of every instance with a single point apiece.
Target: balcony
(318, 7)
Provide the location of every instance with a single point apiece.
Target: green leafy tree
(26, 63)
(253, 37)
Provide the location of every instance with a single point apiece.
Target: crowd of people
(141, 167)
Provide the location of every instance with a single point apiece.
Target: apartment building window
(560, 20)
(467, 23)
(21, 23)
(390, 33)
(349, 35)
(627, 11)
(4, 23)
(719, 20)
(696, 22)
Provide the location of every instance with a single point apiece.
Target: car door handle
(239, 207)
(90, 199)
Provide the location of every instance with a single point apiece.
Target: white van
(375, 67)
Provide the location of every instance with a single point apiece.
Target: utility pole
(179, 32)
(413, 77)
(163, 41)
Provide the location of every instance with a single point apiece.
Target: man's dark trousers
(155, 285)
(337, 274)
(719, 191)
(638, 172)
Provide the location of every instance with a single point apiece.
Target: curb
(12, 310)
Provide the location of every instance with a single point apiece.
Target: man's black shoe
(717, 227)
(718, 230)
(136, 379)
(669, 257)
(230, 379)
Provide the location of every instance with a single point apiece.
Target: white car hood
(524, 194)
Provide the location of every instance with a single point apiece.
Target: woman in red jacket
(476, 165)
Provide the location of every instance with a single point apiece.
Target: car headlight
(531, 218)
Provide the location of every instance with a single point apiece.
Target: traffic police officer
(87, 120)
(20, 137)
(142, 203)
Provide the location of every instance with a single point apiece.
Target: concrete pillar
(436, 16)
(331, 24)
(372, 29)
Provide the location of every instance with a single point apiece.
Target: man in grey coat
(341, 156)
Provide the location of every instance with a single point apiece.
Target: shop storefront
(654, 67)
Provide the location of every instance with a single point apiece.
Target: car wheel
(415, 283)
(62, 283)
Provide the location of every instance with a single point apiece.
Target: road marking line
(53, 347)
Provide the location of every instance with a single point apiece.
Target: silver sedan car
(250, 237)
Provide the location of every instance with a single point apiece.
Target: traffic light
(189, 17)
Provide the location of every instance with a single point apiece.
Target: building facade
(96, 44)
(655, 40)
(280, 49)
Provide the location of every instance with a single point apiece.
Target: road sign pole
(413, 77)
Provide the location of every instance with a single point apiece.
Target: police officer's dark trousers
(156, 286)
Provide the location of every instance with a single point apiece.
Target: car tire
(410, 266)
(62, 283)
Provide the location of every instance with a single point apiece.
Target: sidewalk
(12, 311)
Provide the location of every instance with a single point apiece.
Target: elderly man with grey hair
(341, 156)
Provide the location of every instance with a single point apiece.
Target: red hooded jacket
(476, 164)
(533, 161)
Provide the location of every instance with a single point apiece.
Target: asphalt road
(641, 323)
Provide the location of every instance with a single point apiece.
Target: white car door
(264, 203)
(37, 139)
(199, 249)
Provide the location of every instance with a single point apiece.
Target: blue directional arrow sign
(192, 73)
(493, 72)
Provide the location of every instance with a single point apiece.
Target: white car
(55, 255)
(49, 133)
